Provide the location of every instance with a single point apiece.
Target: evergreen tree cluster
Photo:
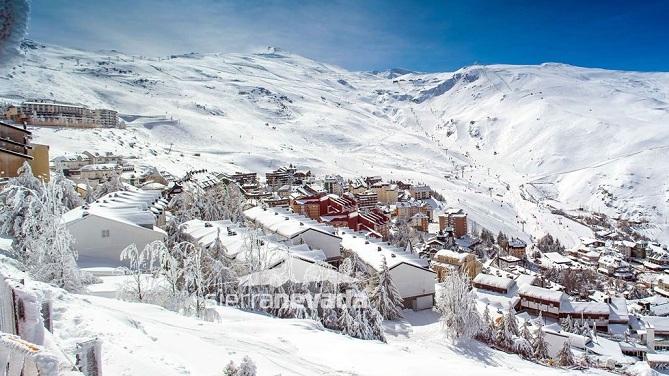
(505, 334)
(246, 368)
(549, 244)
(580, 326)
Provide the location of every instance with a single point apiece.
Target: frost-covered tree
(330, 319)
(375, 322)
(403, 234)
(565, 356)
(353, 267)
(171, 269)
(14, 200)
(385, 298)
(459, 315)
(254, 250)
(113, 184)
(511, 322)
(567, 324)
(503, 337)
(539, 346)
(525, 332)
(522, 347)
(246, 367)
(230, 369)
(43, 242)
(195, 277)
(139, 264)
(69, 196)
(347, 322)
(486, 332)
(233, 203)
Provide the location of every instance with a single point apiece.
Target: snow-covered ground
(142, 339)
(516, 137)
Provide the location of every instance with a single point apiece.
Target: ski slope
(488, 137)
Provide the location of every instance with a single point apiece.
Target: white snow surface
(553, 134)
(140, 339)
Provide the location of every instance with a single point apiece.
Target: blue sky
(373, 35)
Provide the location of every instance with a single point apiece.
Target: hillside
(507, 143)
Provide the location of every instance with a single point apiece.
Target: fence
(21, 311)
(19, 357)
(7, 314)
(24, 320)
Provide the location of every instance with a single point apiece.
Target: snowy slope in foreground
(147, 340)
(566, 136)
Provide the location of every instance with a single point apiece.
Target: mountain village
(208, 239)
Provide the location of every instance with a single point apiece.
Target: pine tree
(376, 324)
(567, 324)
(502, 240)
(230, 369)
(503, 337)
(511, 322)
(486, 333)
(565, 356)
(540, 347)
(525, 332)
(385, 298)
(246, 367)
(522, 347)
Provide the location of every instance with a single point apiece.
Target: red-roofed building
(373, 220)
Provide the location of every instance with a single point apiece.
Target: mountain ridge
(570, 137)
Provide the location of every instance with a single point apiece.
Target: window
(105, 233)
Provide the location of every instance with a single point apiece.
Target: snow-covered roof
(661, 324)
(613, 261)
(542, 293)
(525, 279)
(460, 256)
(285, 223)
(517, 243)
(494, 281)
(575, 309)
(557, 258)
(78, 157)
(139, 208)
(618, 309)
(657, 357)
(371, 252)
(232, 238)
(297, 269)
(466, 241)
(101, 167)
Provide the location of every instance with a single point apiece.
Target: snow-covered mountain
(505, 142)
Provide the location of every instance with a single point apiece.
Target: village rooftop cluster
(290, 233)
(606, 298)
